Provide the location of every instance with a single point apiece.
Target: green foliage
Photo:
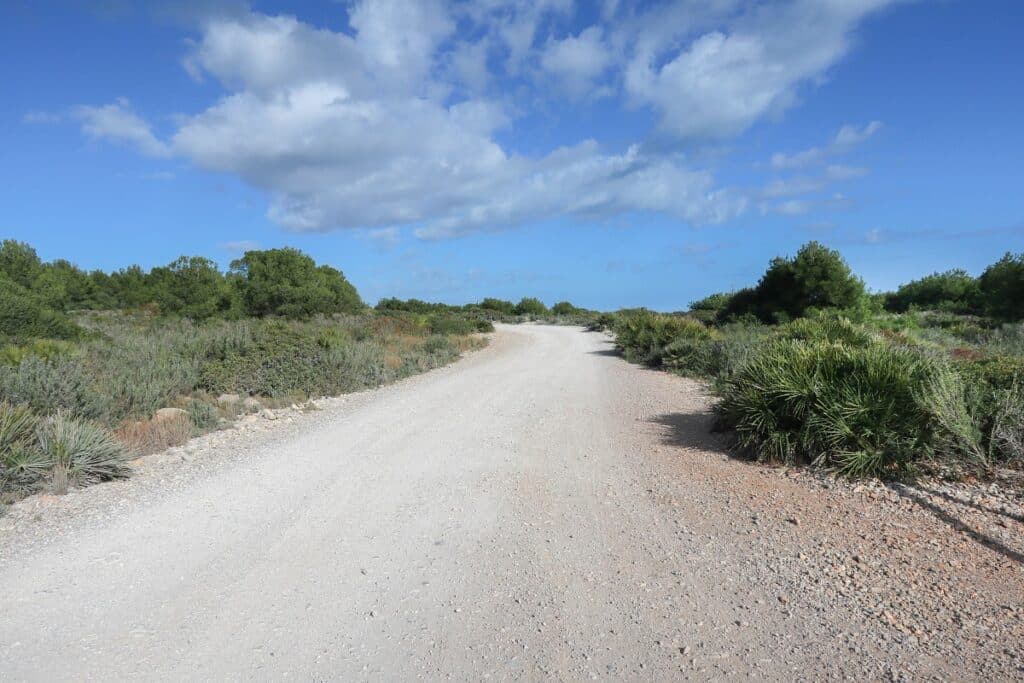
(1002, 288)
(45, 349)
(566, 308)
(832, 329)
(286, 282)
(412, 306)
(191, 286)
(23, 317)
(1006, 433)
(448, 324)
(643, 337)
(530, 306)
(50, 386)
(80, 452)
(201, 414)
(19, 263)
(817, 278)
(862, 410)
(710, 308)
(954, 291)
(21, 462)
(498, 306)
(277, 361)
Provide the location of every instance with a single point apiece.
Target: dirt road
(541, 509)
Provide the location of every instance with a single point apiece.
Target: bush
(817, 278)
(642, 337)
(202, 415)
(865, 411)
(1006, 435)
(454, 325)
(288, 283)
(566, 308)
(278, 361)
(954, 291)
(50, 386)
(1002, 288)
(826, 329)
(23, 317)
(44, 349)
(21, 462)
(530, 306)
(79, 452)
(498, 306)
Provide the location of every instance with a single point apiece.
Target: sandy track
(539, 510)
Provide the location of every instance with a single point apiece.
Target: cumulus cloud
(118, 123)
(723, 81)
(577, 61)
(402, 117)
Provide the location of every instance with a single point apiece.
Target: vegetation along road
(539, 509)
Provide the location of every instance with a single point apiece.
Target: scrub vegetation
(812, 369)
(98, 368)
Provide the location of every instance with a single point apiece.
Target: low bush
(869, 410)
(202, 415)
(23, 317)
(79, 452)
(643, 337)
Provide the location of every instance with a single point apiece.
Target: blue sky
(613, 154)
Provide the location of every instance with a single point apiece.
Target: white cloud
(847, 137)
(719, 84)
(850, 135)
(400, 120)
(118, 123)
(577, 61)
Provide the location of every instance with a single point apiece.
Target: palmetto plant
(79, 452)
(862, 410)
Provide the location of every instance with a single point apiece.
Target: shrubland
(98, 368)
(810, 369)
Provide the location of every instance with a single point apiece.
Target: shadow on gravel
(972, 504)
(606, 352)
(919, 496)
(692, 430)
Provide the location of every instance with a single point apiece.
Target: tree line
(282, 282)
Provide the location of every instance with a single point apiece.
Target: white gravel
(539, 510)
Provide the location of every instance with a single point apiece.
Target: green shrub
(79, 452)
(288, 283)
(23, 317)
(644, 336)
(202, 415)
(826, 329)
(498, 306)
(817, 278)
(862, 410)
(1002, 288)
(45, 349)
(21, 462)
(530, 306)
(50, 386)
(954, 291)
(279, 361)
(1006, 434)
(452, 325)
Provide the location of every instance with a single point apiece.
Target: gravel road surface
(539, 510)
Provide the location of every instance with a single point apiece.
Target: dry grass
(146, 437)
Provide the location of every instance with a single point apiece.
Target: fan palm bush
(862, 410)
